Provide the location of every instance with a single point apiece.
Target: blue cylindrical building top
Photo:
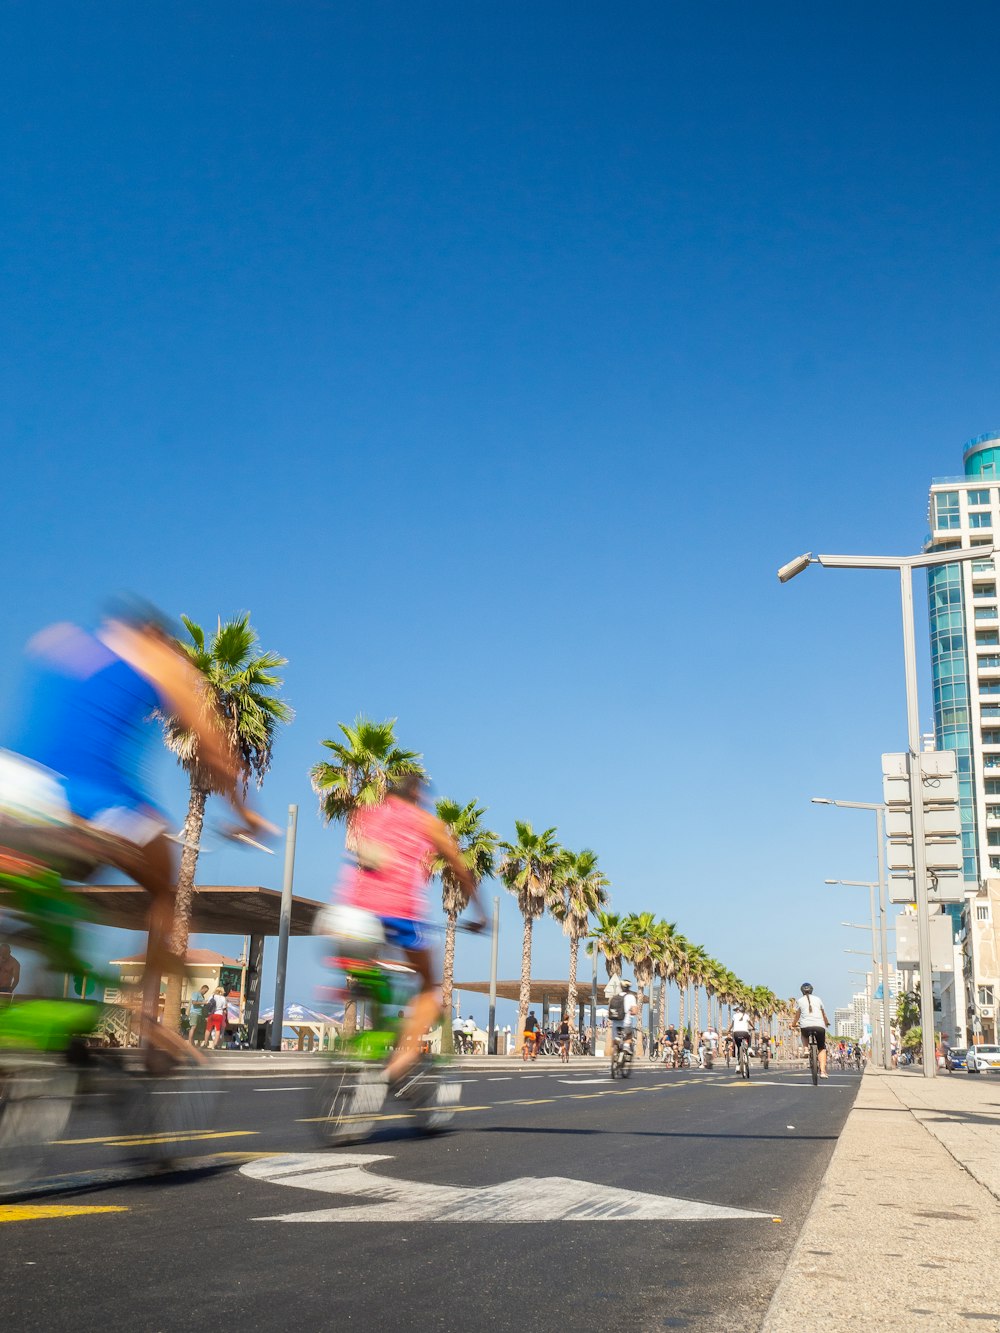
(981, 456)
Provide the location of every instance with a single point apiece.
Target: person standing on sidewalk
(196, 1013)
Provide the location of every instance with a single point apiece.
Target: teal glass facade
(950, 672)
(982, 456)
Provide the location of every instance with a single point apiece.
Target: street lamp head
(794, 567)
(821, 800)
(831, 881)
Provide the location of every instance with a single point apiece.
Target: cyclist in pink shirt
(396, 842)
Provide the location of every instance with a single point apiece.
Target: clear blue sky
(494, 357)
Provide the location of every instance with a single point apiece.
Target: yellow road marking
(534, 1101)
(362, 1118)
(135, 1140)
(36, 1212)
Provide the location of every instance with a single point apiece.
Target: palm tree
(362, 772)
(357, 780)
(581, 889)
(697, 963)
(682, 975)
(527, 867)
(641, 953)
(477, 846)
(664, 965)
(241, 685)
(609, 937)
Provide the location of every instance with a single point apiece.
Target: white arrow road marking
(528, 1199)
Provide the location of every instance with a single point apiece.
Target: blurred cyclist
(395, 843)
(81, 800)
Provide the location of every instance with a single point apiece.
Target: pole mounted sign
(942, 826)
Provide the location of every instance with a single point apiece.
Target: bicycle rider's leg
(420, 1016)
(152, 866)
(821, 1044)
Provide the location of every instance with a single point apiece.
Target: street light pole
(905, 566)
(878, 809)
(880, 1051)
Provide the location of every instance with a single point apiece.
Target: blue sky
(494, 358)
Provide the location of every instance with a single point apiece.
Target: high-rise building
(964, 512)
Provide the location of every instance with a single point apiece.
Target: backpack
(616, 1007)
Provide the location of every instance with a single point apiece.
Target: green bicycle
(47, 1061)
(352, 1097)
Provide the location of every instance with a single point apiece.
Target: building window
(990, 660)
(980, 519)
(987, 637)
(984, 994)
(984, 590)
(983, 914)
(981, 541)
(985, 613)
(979, 497)
(946, 510)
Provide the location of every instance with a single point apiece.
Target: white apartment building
(964, 512)
(844, 1023)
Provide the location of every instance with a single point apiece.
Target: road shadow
(647, 1133)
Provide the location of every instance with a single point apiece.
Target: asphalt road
(559, 1201)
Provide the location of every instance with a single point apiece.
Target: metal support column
(283, 929)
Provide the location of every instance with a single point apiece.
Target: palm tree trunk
(524, 997)
(447, 983)
(682, 997)
(193, 824)
(574, 947)
(662, 1025)
(697, 1014)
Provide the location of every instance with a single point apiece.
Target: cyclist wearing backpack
(621, 1013)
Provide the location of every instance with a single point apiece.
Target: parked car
(978, 1058)
(956, 1058)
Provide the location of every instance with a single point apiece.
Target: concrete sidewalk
(904, 1232)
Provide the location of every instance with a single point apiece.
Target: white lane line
(302, 1088)
(186, 1092)
(527, 1199)
(503, 1078)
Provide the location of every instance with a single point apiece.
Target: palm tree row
(657, 950)
(544, 877)
(242, 686)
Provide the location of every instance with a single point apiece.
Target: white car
(982, 1057)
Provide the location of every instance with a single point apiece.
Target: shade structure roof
(193, 958)
(216, 909)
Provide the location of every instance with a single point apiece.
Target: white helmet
(355, 931)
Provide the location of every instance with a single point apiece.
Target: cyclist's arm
(447, 847)
(184, 694)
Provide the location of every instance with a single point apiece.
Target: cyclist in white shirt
(811, 1017)
(741, 1029)
(625, 1026)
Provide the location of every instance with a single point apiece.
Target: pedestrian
(215, 1018)
(10, 974)
(196, 1013)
